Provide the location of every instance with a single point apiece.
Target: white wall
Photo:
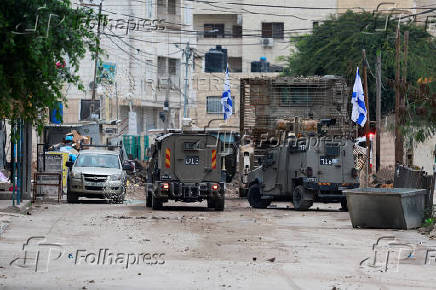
(423, 154)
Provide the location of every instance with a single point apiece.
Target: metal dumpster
(386, 208)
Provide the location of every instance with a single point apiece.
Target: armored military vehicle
(303, 169)
(187, 166)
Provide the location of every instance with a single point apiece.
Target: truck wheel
(119, 198)
(72, 198)
(148, 197)
(254, 197)
(211, 203)
(298, 199)
(242, 192)
(344, 205)
(156, 203)
(219, 204)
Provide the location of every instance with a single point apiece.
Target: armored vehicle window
(332, 149)
(190, 146)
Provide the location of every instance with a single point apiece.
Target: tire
(254, 197)
(219, 204)
(156, 203)
(344, 205)
(242, 193)
(211, 203)
(148, 197)
(72, 198)
(298, 199)
(120, 197)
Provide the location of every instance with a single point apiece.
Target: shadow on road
(93, 201)
(309, 210)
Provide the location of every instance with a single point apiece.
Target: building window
(172, 66)
(213, 105)
(161, 3)
(237, 31)
(273, 30)
(214, 30)
(235, 64)
(149, 8)
(85, 109)
(167, 66)
(161, 65)
(172, 7)
(315, 24)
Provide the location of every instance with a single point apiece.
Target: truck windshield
(98, 160)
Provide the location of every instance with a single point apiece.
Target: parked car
(97, 174)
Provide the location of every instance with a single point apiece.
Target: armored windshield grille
(264, 101)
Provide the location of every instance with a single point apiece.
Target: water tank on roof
(216, 60)
(260, 66)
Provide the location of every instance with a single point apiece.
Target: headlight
(115, 177)
(77, 175)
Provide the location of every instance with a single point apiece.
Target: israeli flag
(358, 115)
(226, 98)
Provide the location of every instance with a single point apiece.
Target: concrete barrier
(386, 208)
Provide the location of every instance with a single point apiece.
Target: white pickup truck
(97, 174)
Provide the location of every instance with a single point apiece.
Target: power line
(282, 6)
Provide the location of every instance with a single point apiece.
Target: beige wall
(212, 84)
(249, 47)
(72, 112)
(370, 5)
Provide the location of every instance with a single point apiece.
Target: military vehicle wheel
(72, 198)
(254, 197)
(344, 205)
(298, 199)
(156, 203)
(219, 204)
(211, 203)
(148, 197)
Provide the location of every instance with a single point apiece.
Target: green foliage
(335, 47)
(31, 43)
(428, 222)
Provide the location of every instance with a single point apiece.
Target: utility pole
(188, 52)
(167, 106)
(365, 93)
(399, 151)
(97, 49)
(404, 80)
(378, 111)
(117, 102)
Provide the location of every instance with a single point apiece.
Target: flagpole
(365, 93)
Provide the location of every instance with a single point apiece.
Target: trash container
(386, 208)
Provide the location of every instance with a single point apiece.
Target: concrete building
(249, 31)
(142, 64)
(207, 89)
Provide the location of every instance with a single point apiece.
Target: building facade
(142, 58)
(248, 31)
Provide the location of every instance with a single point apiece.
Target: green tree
(335, 47)
(41, 45)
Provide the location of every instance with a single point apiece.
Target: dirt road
(96, 245)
